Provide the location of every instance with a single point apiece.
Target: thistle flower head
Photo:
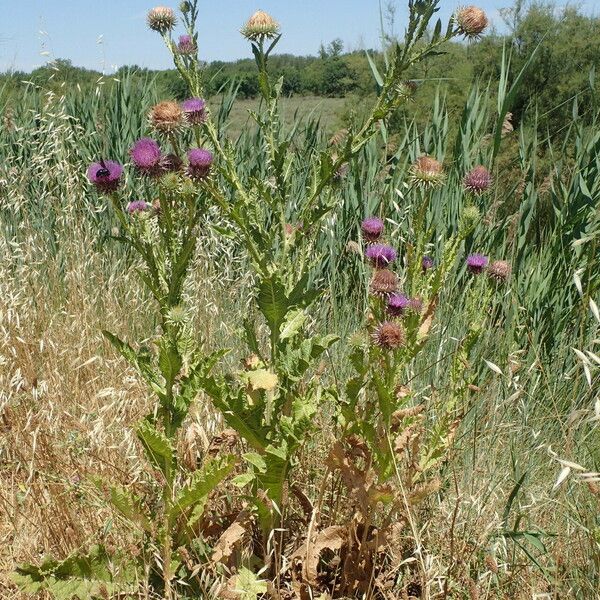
(105, 175)
(381, 255)
(138, 206)
(476, 263)
(166, 117)
(477, 180)
(470, 216)
(200, 161)
(161, 19)
(416, 305)
(194, 110)
(186, 45)
(260, 25)
(384, 282)
(471, 21)
(426, 263)
(406, 89)
(499, 270)
(372, 228)
(397, 304)
(145, 154)
(389, 335)
(427, 172)
(170, 163)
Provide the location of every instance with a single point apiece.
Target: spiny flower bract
(194, 110)
(499, 270)
(427, 172)
(397, 304)
(472, 21)
(166, 117)
(384, 282)
(477, 180)
(260, 25)
(389, 335)
(146, 155)
(200, 161)
(372, 228)
(161, 19)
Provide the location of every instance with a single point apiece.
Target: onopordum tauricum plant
(190, 167)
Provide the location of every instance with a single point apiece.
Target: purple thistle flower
(416, 305)
(397, 304)
(478, 180)
(146, 156)
(427, 263)
(105, 175)
(186, 45)
(381, 255)
(476, 263)
(200, 161)
(372, 228)
(138, 206)
(194, 110)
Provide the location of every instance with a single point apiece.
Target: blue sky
(106, 34)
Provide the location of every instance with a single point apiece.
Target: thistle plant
(191, 168)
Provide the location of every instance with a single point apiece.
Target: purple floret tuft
(200, 161)
(372, 228)
(476, 263)
(138, 206)
(381, 255)
(194, 110)
(397, 304)
(146, 156)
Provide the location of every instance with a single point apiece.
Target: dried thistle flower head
(389, 335)
(166, 117)
(471, 21)
(161, 19)
(406, 89)
(427, 172)
(478, 180)
(260, 26)
(384, 282)
(499, 270)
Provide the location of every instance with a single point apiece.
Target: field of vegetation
(305, 347)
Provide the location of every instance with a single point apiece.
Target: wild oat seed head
(105, 175)
(397, 304)
(499, 270)
(166, 117)
(260, 25)
(194, 110)
(161, 19)
(427, 172)
(471, 21)
(384, 282)
(372, 228)
(389, 335)
(381, 255)
(476, 263)
(145, 154)
(477, 180)
(200, 161)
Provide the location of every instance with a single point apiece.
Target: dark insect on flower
(476, 263)
(384, 282)
(381, 255)
(478, 180)
(372, 228)
(499, 270)
(105, 175)
(389, 335)
(397, 304)
(200, 161)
